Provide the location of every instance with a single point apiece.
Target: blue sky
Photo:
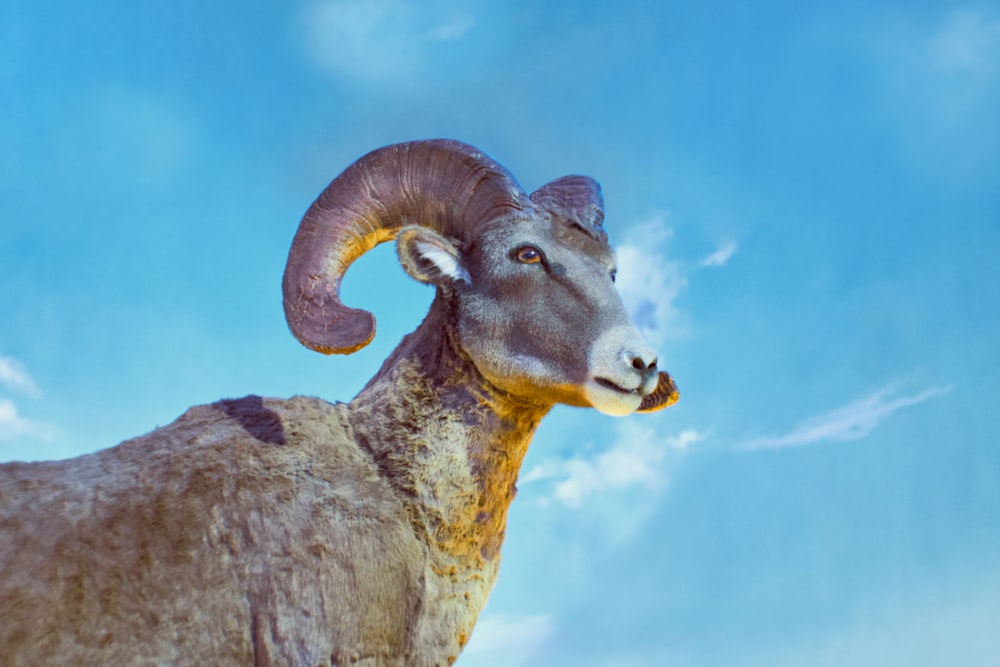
(806, 202)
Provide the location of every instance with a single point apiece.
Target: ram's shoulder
(250, 425)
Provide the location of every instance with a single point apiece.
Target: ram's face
(529, 279)
(540, 317)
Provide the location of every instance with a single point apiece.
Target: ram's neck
(446, 438)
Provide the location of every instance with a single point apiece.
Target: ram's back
(227, 537)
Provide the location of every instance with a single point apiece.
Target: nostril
(639, 364)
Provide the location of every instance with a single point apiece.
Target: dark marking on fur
(262, 423)
(256, 638)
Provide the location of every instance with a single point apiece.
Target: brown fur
(264, 531)
(296, 532)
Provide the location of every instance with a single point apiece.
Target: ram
(299, 532)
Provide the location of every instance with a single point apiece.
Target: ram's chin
(611, 401)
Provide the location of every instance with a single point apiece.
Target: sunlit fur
(298, 532)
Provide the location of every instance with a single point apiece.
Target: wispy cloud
(969, 42)
(959, 67)
(720, 256)
(636, 458)
(14, 376)
(940, 84)
(13, 425)
(379, 42)
(649, 283)
(514, 639)
(355, 38)
(949, 64)
(451, 30)
(851, 422)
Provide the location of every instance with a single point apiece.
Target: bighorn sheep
(299, 532)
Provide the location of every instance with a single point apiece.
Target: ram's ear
(429, 257)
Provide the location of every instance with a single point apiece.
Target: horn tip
(343, 331)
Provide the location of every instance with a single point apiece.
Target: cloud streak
(394, 43)
(14, 426)
(450, 30)
(720, 256)
(343, 36)
(939, 79)
(14, 376)
(853, 421)
(968, 43)
(515, 639)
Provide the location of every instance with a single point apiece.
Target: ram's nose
(643, 361)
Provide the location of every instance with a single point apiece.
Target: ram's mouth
(608, 384)
(611, 398)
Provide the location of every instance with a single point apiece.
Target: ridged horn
(447, 185)
(577, 198)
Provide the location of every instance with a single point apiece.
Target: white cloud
(958, 67)
(14, 376)
(948, 66)
(649, 283)
(387, 42)
(356, 38)
(651, 232)
(636, 459)
(969, 42)
(514, 640)
(939, 81)
(850, 422)
(14, 426)
(720, 256)
(612, 491)
(451, 30)
(685, 438)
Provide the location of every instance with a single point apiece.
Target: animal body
(262, 531)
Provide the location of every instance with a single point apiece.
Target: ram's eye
(528, 255)
(614, 274)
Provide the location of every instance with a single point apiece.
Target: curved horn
(447, 185)
(577, 198)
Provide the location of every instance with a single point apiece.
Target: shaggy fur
(264, 531)
(299, 532)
